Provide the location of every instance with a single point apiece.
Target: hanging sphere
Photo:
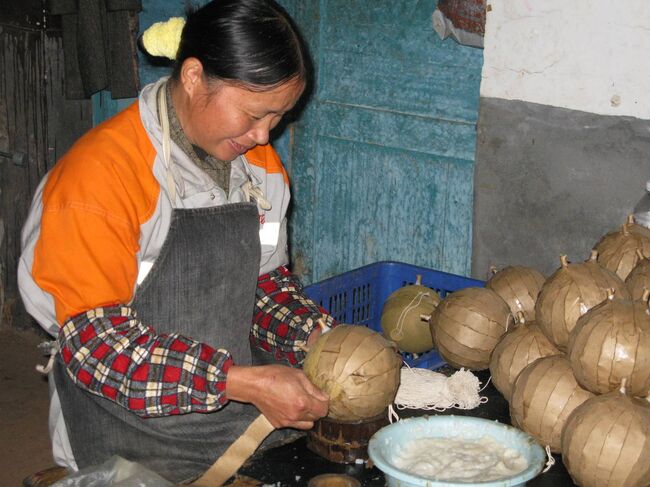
(611, 342)
(639, 279)
(358, 368)
(519, 347)
(519, 287)
(468, 324)
(404, 317)
(606, 442)
(569, 293)
(543, 396)
(619, 251)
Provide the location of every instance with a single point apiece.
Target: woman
(156, 238)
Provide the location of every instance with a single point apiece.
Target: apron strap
(235, 456)
(166, 141)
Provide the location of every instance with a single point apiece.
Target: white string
(429, 390)
(53, 347)
(392, 415)
(551, 460)
(409, 307)
(255, 193)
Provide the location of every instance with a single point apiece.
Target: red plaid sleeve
(284, 317)
(109, 352)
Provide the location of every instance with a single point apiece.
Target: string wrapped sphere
(519, 347)
(468, 324)
(610, 343)
(606, 442)
(543, 396)
(519, 287)
(404, 317)
(358, 368)
(639, 279)
(569, 293)
(619, 251)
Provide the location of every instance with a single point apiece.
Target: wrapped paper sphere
(606, 442)
(619, 251)
(358, 368)
(611, 342)
(519, 347)
(468, 324)
(404, 317)
(569, 293)
(543, 396)
(639, 279)
(518, 286)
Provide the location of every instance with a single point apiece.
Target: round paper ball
(404, 317)
(358, 368)
(611, 342)
(468, 324)
(639, 279)
(518, 347)
(619, 251)
(543, 396)
(606, 442)
(518, 286)
(569, 293)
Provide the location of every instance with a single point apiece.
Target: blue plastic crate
(358, 296)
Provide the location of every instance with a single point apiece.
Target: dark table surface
(293, 464)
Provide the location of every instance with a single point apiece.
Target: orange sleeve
(94, 202)
(266, 157)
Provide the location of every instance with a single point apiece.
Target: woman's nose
(260, 132)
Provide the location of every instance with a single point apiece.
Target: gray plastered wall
(551, 181)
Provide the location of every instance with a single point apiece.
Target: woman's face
(227, 120)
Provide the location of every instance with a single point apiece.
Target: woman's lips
(238, 148)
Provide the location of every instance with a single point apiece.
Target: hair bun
(163, 38)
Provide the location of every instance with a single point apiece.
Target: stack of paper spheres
(519, 347)
(639, 279)
(468, 324)
(606, 442)
(571, 402)
(620, 251)
(569, 293)
(611, 342)
(518, 286)
(543, 396)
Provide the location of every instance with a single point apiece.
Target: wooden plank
(35, 119)
(391, 128)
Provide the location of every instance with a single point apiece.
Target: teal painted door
(381, 160)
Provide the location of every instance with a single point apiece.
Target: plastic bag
(114, 472)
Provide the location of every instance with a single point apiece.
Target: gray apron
(203, 286)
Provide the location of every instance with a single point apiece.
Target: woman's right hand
(283, 394)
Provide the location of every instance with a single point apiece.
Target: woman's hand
(284, 395)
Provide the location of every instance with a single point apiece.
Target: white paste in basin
(458, 459)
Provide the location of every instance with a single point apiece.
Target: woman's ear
(191, 75)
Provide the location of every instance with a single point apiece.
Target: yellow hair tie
(163, 38)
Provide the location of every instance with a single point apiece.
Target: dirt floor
(24, 438)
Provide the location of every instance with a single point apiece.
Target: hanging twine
(51, 349)
(550, 460)
(398, 331)
(429, 390)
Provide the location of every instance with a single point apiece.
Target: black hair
(253, 42)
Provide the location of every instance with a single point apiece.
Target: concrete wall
(563, 130)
